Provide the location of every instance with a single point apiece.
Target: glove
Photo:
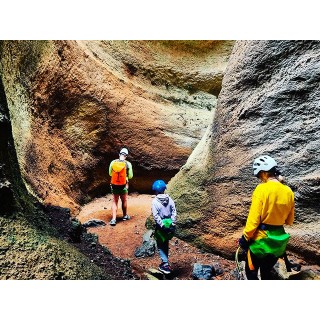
(171, 229)
(243, 243)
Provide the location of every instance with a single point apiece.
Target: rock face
(269, 104)
(29, 249)
(74, 104)
(9, 169)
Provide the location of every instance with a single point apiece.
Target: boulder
(93, 223)
(148, 247)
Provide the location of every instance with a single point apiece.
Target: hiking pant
(163, 248)
(265, 264)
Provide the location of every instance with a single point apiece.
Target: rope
(240, 271)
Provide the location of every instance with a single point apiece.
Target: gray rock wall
(269, 104)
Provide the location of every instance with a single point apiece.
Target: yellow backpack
(119, 173)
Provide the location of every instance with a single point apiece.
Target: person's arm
(130, 171)
(173, 211)
(290, 218)
(254, 216)
(110, 168)
(155, 213)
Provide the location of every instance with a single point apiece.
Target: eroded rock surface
(30, 246)
(269, 104)
(74, 104)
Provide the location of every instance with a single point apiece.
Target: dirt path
(123, 239)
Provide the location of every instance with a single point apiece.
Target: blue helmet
(159, 186)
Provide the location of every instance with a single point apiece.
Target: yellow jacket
(273, 204)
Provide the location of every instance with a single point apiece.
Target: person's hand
(164, 229)
(168, 230)
(243, 243)
(172, 228)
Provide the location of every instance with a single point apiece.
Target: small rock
(75, 231)
(281, 272)
(94, 223)
(150, 276)
(202, 272)
(154, 271)
(305, 275)
(147, 236)
(147, 249)
(217, 270)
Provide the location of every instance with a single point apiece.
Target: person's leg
(252, 274)
(166, 249)
(267, 264)
(115, 206)
(124, 203)
(163, 248)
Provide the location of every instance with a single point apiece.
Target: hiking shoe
(126, 217)
(164, 268)
(112, 222)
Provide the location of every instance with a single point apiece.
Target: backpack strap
(127, 166)
(264, 226)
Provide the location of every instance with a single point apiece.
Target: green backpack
(161, 235)
(275, 243)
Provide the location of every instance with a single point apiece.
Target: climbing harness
(239, 265)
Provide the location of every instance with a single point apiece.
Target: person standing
(120, 171)
(264, 238)
(165, 216)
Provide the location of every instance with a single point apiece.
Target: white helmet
(124, 151)
(263, 163)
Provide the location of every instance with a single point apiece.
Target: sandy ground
(123, 239)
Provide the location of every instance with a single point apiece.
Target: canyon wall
(74, 104)
(269, 104)
(30, 248)
(184, 109)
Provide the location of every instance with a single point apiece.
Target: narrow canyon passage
(192, 113)
(123, 239)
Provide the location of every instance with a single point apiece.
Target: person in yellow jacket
(264, 237)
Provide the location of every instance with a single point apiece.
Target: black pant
(265, 264)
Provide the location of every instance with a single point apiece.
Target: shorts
(118, 190)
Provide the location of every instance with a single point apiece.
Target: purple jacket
(163, 207)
